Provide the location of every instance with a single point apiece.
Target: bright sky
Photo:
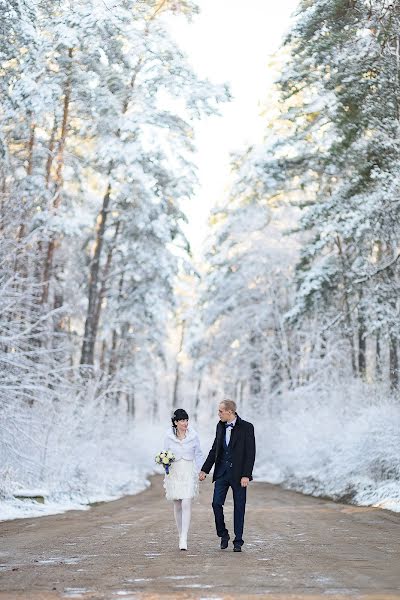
(230, 41)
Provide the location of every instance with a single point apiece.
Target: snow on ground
(121, 470)
(342, 444)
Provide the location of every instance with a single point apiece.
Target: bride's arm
(210, 460)
(198, 455)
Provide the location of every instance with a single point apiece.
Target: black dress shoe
(224, 542)
(237, 548)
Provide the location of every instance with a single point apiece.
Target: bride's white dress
(182, 481)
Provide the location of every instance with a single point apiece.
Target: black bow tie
(228, 425)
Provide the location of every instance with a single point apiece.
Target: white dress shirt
(228, 431)
(186, 449)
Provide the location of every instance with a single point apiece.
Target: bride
(182, 484)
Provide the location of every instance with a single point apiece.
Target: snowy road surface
(295, 547)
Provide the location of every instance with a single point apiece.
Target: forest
(107, 320)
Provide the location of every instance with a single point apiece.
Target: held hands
(244, 482)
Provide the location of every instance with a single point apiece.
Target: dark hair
(179, 415)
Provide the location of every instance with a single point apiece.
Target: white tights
(183, 513)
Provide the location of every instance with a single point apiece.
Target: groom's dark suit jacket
(243, 450)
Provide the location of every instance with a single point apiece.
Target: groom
(233, 453)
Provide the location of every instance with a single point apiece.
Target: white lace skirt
(182, 481)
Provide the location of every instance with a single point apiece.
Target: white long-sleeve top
(188, 448)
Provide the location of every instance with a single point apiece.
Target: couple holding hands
(232, 454)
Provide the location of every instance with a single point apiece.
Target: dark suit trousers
(221, 487)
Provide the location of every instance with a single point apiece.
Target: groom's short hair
(229, 405)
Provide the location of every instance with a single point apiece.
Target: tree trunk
(378, 358)
(103, 355)
(130, 400)
(362, 343)
(197, 397)
(349, 332)
(103, 286)
(241, 394)
(112, 366)
(21, 266)
(322, 347)
(30, 149)
(58, 176)
(155, 399)
(177, 367)
(393, 363)
(21, 229)
(276, 377)
(50, 155)
(378, 249)
(362, 346)
(91, 323)
(255, 384)
(3, 194)
(255, 378)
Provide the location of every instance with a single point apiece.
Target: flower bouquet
(165, 458)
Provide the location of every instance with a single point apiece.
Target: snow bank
(341, 442)
(81, 467)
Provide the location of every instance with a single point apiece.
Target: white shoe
(182, 544)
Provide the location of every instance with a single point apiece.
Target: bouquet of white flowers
(165, 458)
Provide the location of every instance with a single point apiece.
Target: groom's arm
(206, 468)
(250, 453)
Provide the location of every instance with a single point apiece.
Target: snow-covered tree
(96, 145)
(333, 151)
